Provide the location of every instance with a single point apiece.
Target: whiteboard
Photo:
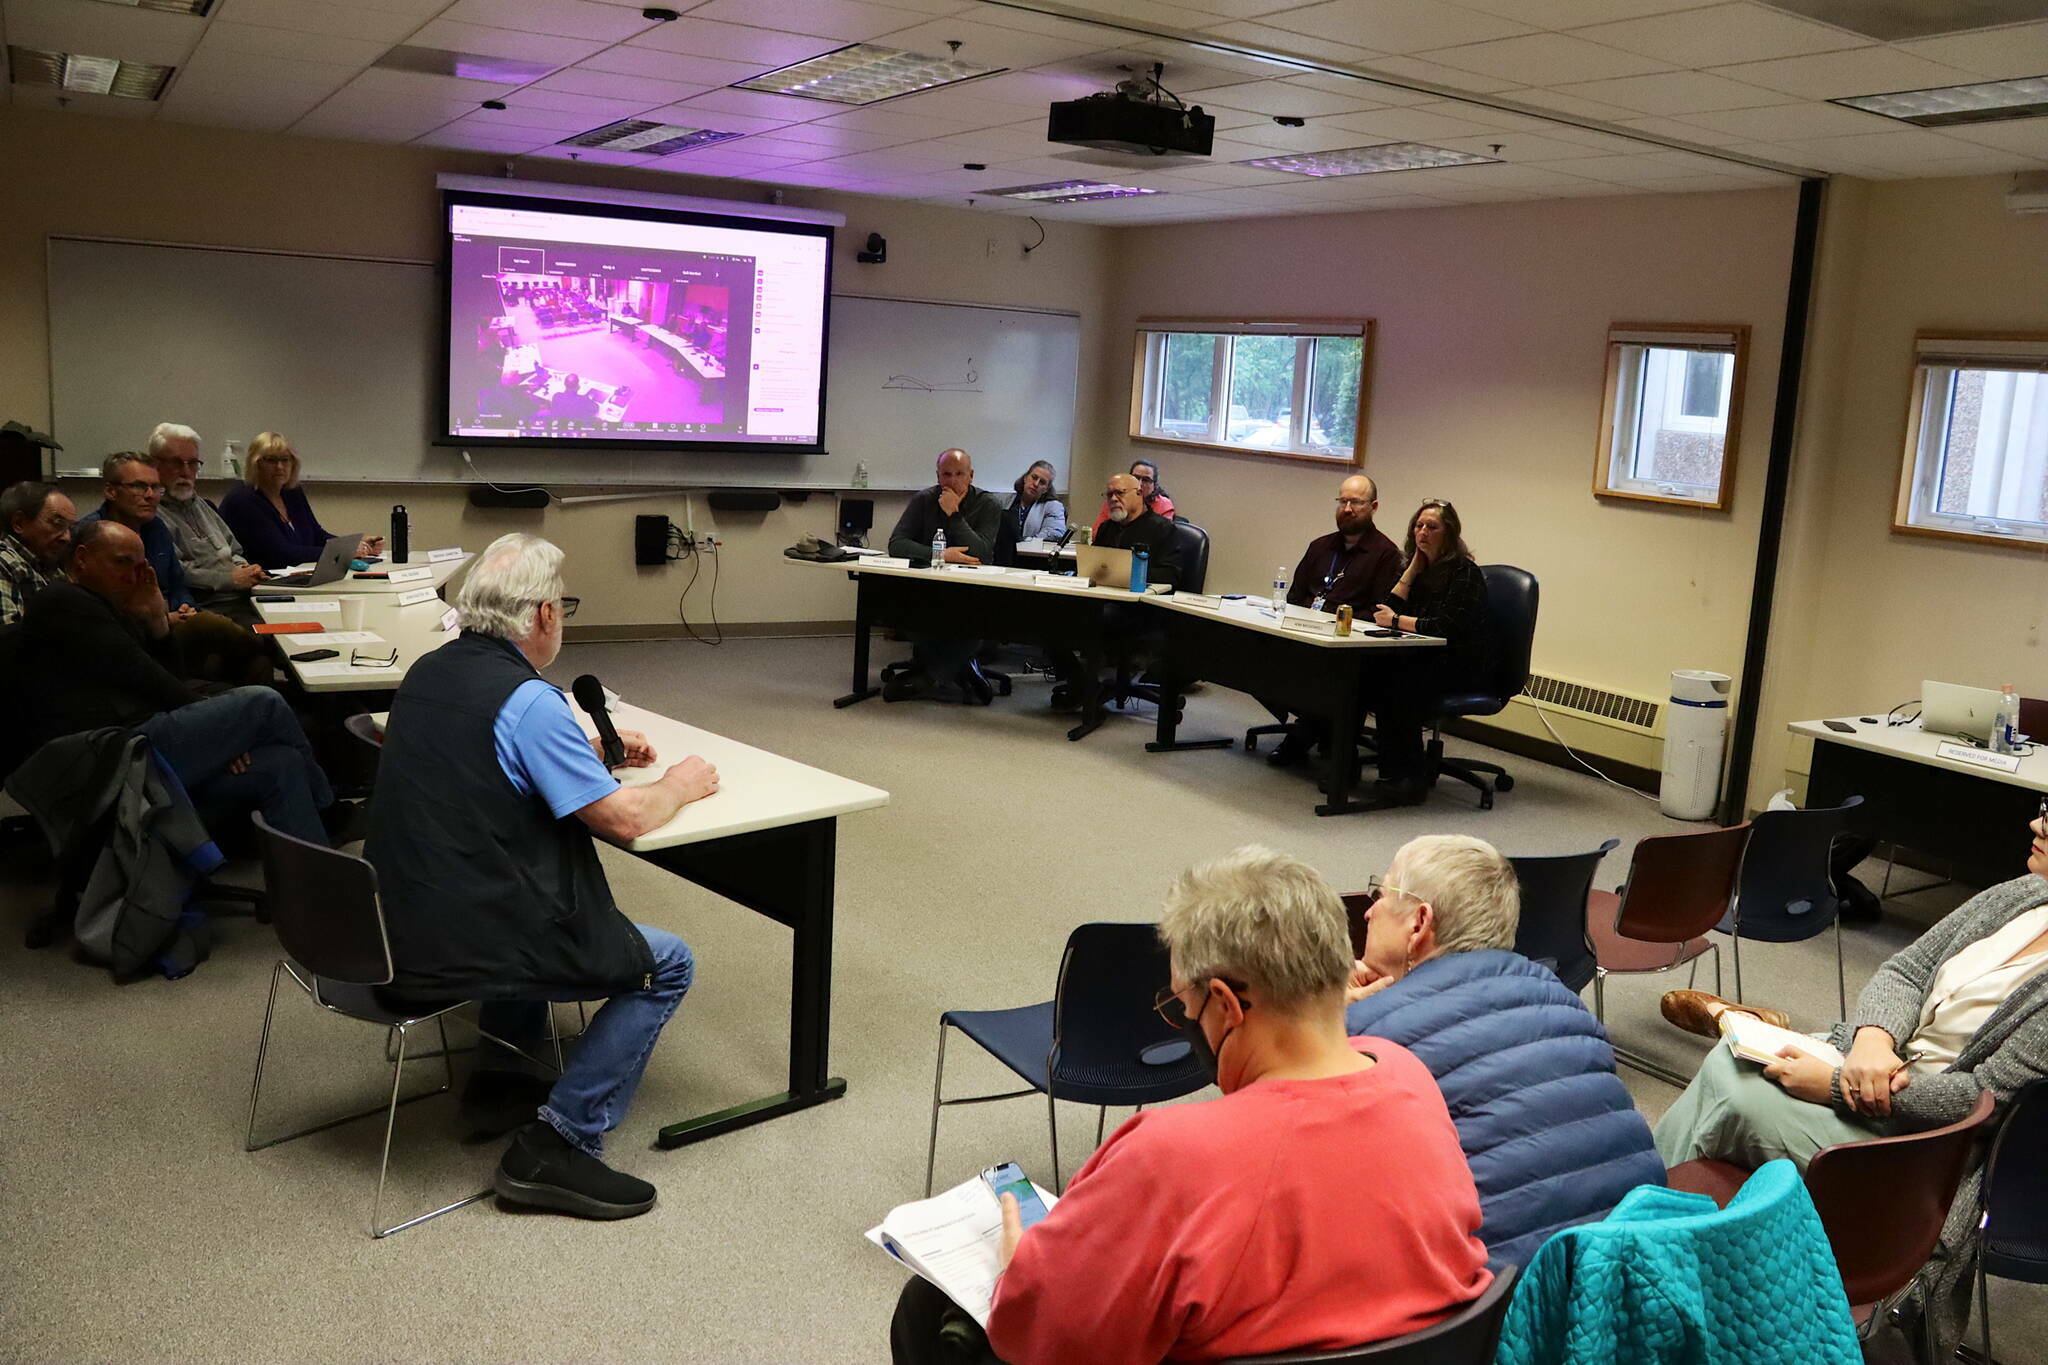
(342, 354)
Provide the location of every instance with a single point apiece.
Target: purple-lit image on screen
(586, 327)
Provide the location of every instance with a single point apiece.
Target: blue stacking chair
(1097, 1041)
(1552, 930)
(2012, 1236)
(1787, 894)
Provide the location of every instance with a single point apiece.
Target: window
(1976, 461)
(1673, 410)
(1291, 389)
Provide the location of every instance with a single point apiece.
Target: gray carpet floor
(138, 1228)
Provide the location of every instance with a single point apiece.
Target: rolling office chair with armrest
(1511, 600)
(1194, 574)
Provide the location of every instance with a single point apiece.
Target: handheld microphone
(589, 694)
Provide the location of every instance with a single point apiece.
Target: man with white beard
(219, 575)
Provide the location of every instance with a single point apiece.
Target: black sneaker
(496, 1102)
(541, 1168)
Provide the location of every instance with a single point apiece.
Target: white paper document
(952, 1239)
(329, 638)
(299, 610)
(1751, 1039)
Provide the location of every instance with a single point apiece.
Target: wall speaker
(650, 540)
(856, 514)
(744, 502)
(483, 496)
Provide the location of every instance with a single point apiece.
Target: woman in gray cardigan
(1961, 1011)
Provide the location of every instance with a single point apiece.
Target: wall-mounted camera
(877, 250)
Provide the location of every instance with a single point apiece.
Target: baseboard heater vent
(1636, 713)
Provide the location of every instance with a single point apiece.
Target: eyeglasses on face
(1170, 1007)
(1377, 887)
(569, 605)
(141, 486)
(1354, 502)
(1145, 478)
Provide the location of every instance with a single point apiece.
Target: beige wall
(1868, 614)
(68, 173)
(1486, 389)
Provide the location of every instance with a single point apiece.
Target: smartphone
(1008, 1179)
(1841, 726)
(313, 656)
(372, 575)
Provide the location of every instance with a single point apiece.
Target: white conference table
(412, 630)
(1296, 658)
(439, 571)
(1972, 815)
(766, 840)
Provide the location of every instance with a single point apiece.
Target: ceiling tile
(2026, 136)
(830, 138)
(1405, 125)
(1398, 26)
(1266, 37)
(450, 36)
(481, 140)
(988, 45)
(1379, 92)
(1318, 136)
(1721, 34)
(1859, 71)
(847, 20)
(1524, 147)
(1778, 123)
(1577, 13)
(613, 85)
(1278, 97)
(759, 104)
(1682, 131)
(702, 38)
(2000, 54)
(378, 80)
(349, 132)
(523, 113)
(218, 70)
(319, 16)
(1451, 78)
(289, 44)
(694, 115)
(1227, 174)
(1900, 144)
(670, 66)
(351, 104)
(1678, 92)
(133, 35)
(599, 109)
(558, 18)
(894, 116)
(1564, 102)
(1545, 59)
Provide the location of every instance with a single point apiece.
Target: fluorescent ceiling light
(87, 75)
(863, 73)
(644, 135)
(1892, 21)
(194, 7)
(1385, 156)
(1068, 192)
(1983, 102)
(469, 66)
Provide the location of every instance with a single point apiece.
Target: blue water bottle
(1141, 566)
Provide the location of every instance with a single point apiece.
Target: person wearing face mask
(1550, 1132)
(220, 575)
(1321, 1203)
(1960, 1012)
(1440, 593)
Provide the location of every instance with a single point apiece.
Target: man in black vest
(480, 830)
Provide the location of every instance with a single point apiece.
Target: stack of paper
(953, 1240)
(1753, 1040)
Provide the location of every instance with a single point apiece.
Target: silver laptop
(1952, 709)
(1103, 567)
(331, 567)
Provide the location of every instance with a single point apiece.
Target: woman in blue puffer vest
(1550, 1131)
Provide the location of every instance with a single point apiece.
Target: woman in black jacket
(1441, 593)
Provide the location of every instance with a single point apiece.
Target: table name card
(443, 556)
(1979, 758)
(418, 595)
(420, 574)
(1198, 599)
(451, 619)
(302, 607)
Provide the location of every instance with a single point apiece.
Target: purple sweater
(269, 539)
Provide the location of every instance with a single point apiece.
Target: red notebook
(290, 628)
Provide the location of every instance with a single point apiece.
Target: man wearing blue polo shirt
(488, 795)
(133, 491)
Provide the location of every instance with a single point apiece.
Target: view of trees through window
(1242, 390)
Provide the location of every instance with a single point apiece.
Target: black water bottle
(400, 525)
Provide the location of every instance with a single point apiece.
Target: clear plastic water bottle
(1141, 569)
(1280, 591)
(939, 548)
(2005, 728)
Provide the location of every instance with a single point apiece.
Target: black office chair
(1787, 894)
(1511, 600)
(1467, 1337)
(1193, 542)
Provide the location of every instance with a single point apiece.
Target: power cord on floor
(1573, 753)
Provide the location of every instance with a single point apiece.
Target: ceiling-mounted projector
(1140, 118)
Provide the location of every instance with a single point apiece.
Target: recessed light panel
(470, 66)
(1385, 156)
(1068, 192)
(643, 135)
(87, 75)
(863, 74)
(1984, 102)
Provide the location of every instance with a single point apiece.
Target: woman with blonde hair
(270, 514)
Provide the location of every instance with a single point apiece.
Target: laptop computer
(331, 567)
(1952, 709)
(1102, 566)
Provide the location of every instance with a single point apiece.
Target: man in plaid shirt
(37, 535)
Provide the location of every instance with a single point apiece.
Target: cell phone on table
(1008, 1179)
(1842, 727)
(314, 656)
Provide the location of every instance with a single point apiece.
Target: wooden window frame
(1150, 339)
(1942, 348)
(1671, 335)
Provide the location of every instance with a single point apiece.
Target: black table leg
(1172, 710)
(788, 875)
(1091, 692)
(862, 627)
(1343, 770)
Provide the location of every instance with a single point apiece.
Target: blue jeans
(283, 779)
(596, 1088)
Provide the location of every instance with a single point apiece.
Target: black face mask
(1198, 1042)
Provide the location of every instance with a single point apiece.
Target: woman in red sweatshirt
(1322, 1202)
